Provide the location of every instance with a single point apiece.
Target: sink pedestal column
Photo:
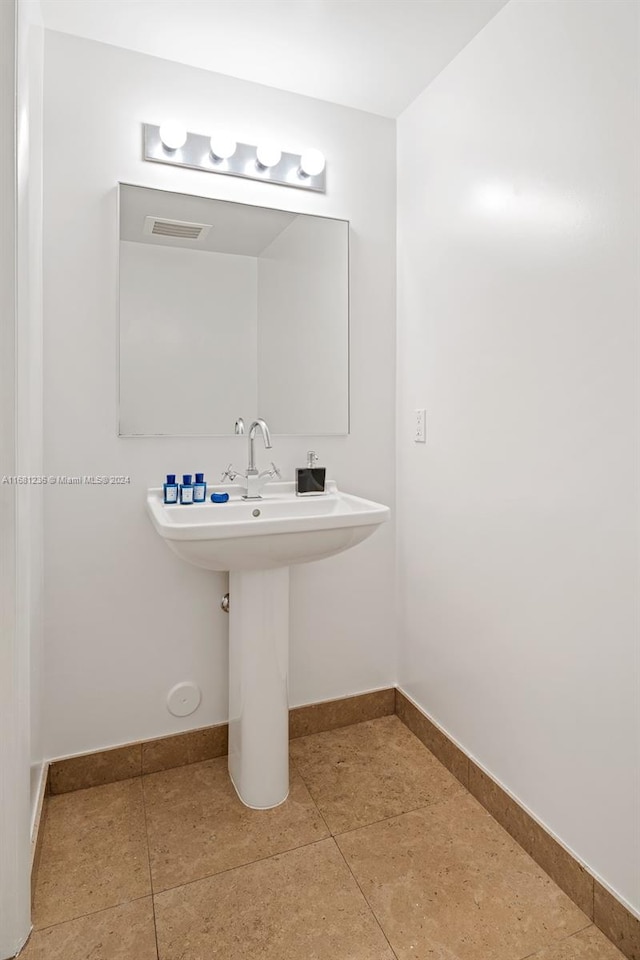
(258, 690)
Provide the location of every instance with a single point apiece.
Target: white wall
(518, 309)
(14, 656)
(188, 340)
(20, 453)
(125, 618)
(303, 328)
(29, 360)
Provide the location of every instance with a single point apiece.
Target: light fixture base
(196, 154)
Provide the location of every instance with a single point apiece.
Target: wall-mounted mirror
(229, 310)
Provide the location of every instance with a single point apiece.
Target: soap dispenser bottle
(310, 480)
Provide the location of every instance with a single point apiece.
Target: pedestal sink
(257, 541)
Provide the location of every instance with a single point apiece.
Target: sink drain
(255, 513)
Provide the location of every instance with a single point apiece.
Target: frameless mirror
(229, 310)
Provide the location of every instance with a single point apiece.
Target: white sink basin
(279, 530)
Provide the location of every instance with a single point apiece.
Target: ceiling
(374, 55)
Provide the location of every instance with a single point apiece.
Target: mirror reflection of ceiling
(236, 228)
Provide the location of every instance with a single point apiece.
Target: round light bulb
(312, 163)
(173, 135)
(222, 147)
(268, 155)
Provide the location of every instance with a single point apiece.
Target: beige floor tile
(120, 933)
(370, 771)
(300, 905)
(448, 883)
(589, 944)
(94, 853)
(197, 826)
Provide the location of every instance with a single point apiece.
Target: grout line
(92, 913)
(146, 834)
(293, 765)
(555, 943)
(240, 866)
(313, 801)
(364, 897)
(336, 845)
(396, 816)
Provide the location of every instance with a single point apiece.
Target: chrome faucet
(266, 436)
(255, 480)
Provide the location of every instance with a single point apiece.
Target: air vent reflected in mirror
(182, 229)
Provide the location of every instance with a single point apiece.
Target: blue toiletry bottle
(199, 489)
(186, 489)
(170, 489)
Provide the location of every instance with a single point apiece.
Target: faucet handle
(273, 472)
(229, 474)
(239, 428)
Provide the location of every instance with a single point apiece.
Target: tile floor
(379, 853)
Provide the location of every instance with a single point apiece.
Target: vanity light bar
(170, 144)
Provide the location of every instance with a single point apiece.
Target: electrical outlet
(420, 426)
